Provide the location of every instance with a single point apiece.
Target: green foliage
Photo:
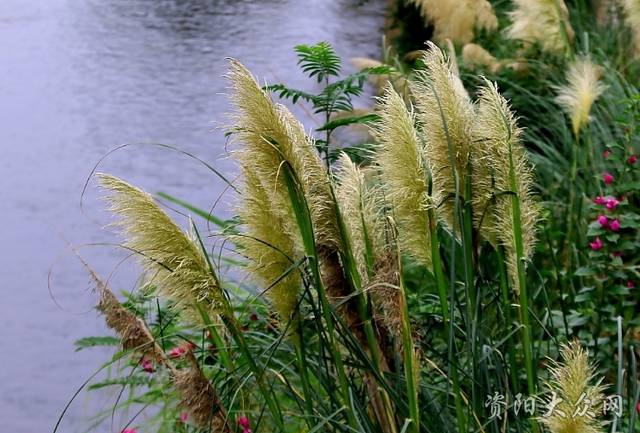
(320, 62)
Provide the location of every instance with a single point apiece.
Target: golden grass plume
(173, 260)
(573, 381)
(269, 245)
(270, 136)
(582, 88)
(542, 22)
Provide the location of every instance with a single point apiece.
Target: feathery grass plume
(359, 204)
(473, 56)
(632, 19)
(542, 22)
(271, 136)
(572, 381)
(404, 175)
(581, 90)
(457, 19)
(175, 261)
(269, 246)
(199, 398)
(445, 113)
(498, 145)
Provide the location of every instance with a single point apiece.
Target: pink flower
(177, 352)
(630, 285)
(606, 153)
(632, 159)
(612, 203)
(147, 365)
(607, 178)
(600, 200)
(243, 422)
(129, 430)
(184, 417)
(603, 220)
(615, 225)
(596, 245)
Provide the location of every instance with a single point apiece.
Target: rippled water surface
(77, 79)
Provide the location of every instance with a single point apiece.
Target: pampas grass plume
(270, 247)
(582, 88)
(457, 19)
(404, 174)
(572, 380)
(445, 113)
(174, 261)
(498, 147)
(541, 21)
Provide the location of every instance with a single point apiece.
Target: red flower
(600, 200)
(596, 245)
(243, 421)
(606, 153)
(607, 178)
(147, 365)
(630, 284)
(632, 159)
(615, 225)
(612, 203)
(603, 220)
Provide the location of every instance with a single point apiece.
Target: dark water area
(77, 79)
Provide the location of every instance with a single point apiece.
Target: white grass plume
(174, 261)
(360, 207)
(541, 21)
(582, 88)
(498, 145)
(404, 174)
(445, 114)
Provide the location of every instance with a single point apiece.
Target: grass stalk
(448, 326)
(522, 281)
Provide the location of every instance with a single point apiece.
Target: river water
(77, 79)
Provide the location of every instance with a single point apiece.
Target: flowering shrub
(613, 234)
